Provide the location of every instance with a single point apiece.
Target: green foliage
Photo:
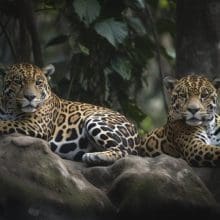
(146, 125)
(140, 4)
(57, 40)
(84, 50)
(114, 31)
(113, 46)
(136, 24)
(100, 48)
(122, 66)
(87, 10)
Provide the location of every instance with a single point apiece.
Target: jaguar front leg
(215, 136)
(25, 127)
(199, 154)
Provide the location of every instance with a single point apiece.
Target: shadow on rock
(154, 188)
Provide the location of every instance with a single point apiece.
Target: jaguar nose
(29, 97)
(193, 110)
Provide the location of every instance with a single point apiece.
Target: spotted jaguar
(74, 130)
(192, 131)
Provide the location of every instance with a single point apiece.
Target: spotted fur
(192, 131)
(74, 130)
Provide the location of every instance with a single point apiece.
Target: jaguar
(75, 131)
(192, 130)
(98, 135)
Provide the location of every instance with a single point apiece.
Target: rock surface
(154, 188)
(211, 178)
(37, 184)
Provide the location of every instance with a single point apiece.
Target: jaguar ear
(169, 83)
(48, 70)
(216, 83)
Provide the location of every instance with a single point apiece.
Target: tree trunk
(29, 38)
(198, 37)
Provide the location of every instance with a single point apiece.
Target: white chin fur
(28, 109)
(193, 123)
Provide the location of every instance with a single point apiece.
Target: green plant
(101, 48)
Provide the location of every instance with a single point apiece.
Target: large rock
(37, 184)
(154, 188)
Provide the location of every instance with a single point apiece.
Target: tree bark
(23, 45)
(198, 37)
(29, 33)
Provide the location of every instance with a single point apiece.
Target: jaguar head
(193, 99)
(26, 85)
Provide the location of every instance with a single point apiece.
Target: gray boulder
(37, 184)
(154, 188)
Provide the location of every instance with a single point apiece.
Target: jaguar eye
(182, 95)
(204, 94)
(18, 81)
(38, 82)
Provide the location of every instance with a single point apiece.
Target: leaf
(122, 66)
(87, 10)
(84, 49)
(137, 25)
(114, 31)
(57, 40)
(146, 124)
(140, 4)
(164, 4)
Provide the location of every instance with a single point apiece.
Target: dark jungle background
(113, 52)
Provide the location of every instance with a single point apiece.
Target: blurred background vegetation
(106, 52)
